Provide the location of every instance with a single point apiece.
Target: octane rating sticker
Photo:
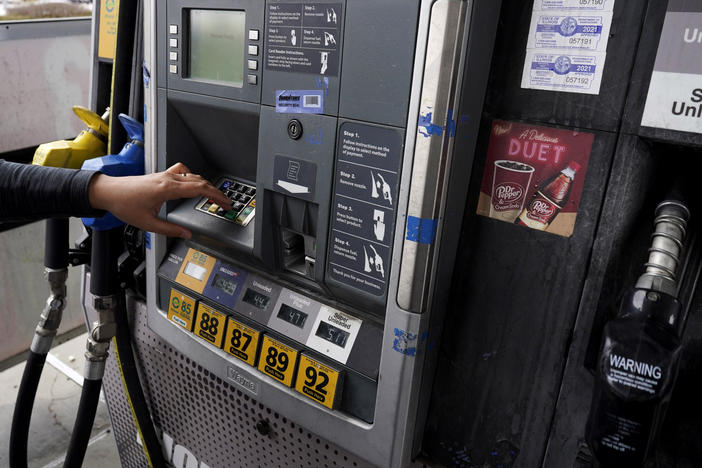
(317, 381)
(278, 361)
(181, 309)
(209, 324)
(242, 342)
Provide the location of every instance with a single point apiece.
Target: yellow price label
(209, 324)
(242, 342)
(318, 382)
(278, 360)
(181, 309)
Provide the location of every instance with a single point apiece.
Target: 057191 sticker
(569, 72)
(569, 30)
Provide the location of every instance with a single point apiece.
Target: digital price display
(292, 316)
(256, 299)
(195, 271)
(332, 334)
(224, 284)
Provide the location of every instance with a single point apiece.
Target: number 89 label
(277, 360)
(209, 324)
(318, 382)
(242, 342)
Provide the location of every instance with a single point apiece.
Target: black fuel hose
(83, 426)
(134, 393)
(19, 433)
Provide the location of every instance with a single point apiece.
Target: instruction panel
(304, 37)
(364, 207)
(567, 45)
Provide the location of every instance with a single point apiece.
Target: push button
(253, 34)
(252, 79)
(253, 49)
(173, 42)
(253, 64)
(173, 69)
(173, 55)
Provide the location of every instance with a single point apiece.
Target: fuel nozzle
(666, 245)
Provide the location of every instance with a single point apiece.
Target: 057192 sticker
(569, 30)
(571, 72)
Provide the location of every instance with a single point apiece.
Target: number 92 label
(278, 361)
(318, 382)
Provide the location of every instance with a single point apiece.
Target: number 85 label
(278, 360)
(318, 382)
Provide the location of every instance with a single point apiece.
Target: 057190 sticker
(569, 72)
(598, 5)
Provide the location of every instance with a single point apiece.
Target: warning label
(303, 37)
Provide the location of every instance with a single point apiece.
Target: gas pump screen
(332, 334)
(216, 48)
(258, 300)
(292, 316)
(223, 284)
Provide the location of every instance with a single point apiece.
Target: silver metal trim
(431, 151)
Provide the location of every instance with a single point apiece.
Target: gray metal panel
(316, 146)
(375, 77)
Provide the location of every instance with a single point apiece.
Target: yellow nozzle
(71, 154)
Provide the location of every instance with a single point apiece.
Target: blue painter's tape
(409, 344)
(421, 230)
(299, 101)
(147, 240)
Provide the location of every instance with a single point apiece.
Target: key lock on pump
(108, 297)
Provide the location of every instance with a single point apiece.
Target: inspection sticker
(181, 309)
(569, 30)
(600, 5)
(242, 341)
(570, 72)
(209, 324)
(278, 361)
(299, 102)
(318, 382)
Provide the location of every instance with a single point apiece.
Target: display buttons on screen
(216, 46)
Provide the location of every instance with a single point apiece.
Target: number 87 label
(242, 342)
(278, 360)
(317, 381)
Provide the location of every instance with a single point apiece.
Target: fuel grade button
(210, 324)
(181, 309)
(242, 341)
(319, 382)
(278, 360)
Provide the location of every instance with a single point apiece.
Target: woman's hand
(136, 200)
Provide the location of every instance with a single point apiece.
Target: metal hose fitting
(666, 245)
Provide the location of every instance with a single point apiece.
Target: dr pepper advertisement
(534, 176)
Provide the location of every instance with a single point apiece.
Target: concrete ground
(55, 409)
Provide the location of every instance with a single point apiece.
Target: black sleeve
(30, 192)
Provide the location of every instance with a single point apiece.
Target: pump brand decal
(304, 37)
(534, 176)
(295, 177)
(299, 102)
(364, 206)
(678, 62)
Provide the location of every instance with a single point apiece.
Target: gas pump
(302, 324)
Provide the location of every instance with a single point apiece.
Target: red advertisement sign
(534, 176)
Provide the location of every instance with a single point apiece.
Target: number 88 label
(318, 382)
(209, 324)
(242, 342)
(278, 360)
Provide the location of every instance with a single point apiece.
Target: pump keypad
(243, 202)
